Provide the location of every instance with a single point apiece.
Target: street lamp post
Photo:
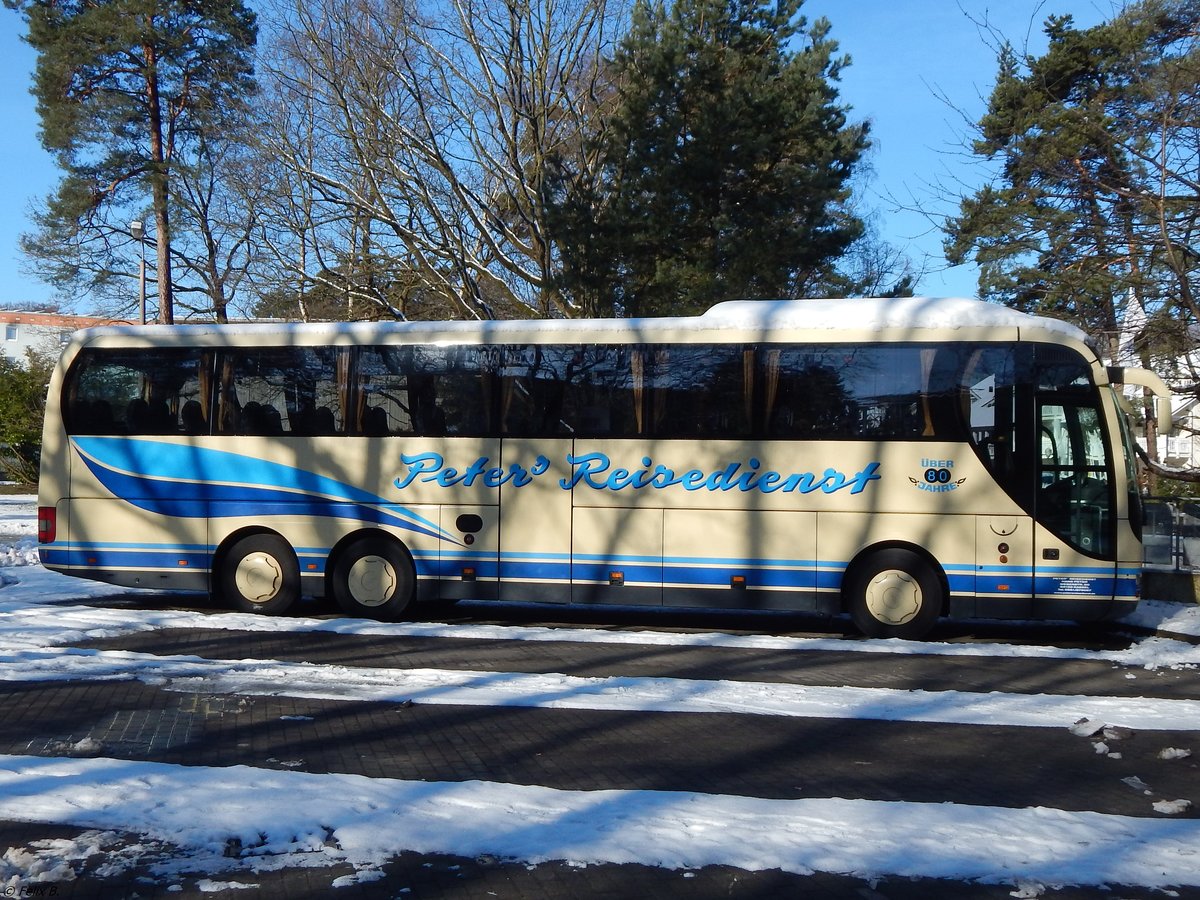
(138, 231)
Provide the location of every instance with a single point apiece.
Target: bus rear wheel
(260, 574)
(894, 594)
(374, 577)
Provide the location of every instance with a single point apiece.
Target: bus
(898, 460)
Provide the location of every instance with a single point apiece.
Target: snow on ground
(282, 815)
(287, 818)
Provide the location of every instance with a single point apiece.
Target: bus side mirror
(1158, 387)
(1162, 409)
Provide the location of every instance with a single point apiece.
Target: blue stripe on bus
(51, 555)
(167, 558)
(1014, 584)
(799, 579)
(632, 573)
(534, 570)
(194, 482)
(132, 545)
(1061, 581)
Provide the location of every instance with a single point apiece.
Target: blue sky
(921, 73)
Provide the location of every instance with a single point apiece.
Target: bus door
(1000, 413)
(1075, 553)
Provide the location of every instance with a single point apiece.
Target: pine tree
(1094, 200)
(1094, 210)
(122, 88)
(727, 163)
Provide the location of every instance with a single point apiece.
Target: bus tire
(374, 577)
(894, 593)
(260, 574)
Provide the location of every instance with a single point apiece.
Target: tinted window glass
(384, 405)
(426, 390)
(996, 397)
(703, 390)
(282, 390)
(532, 383)
(1061, 369)
(156, 391)
(839, 392)
(853, 391)
(681, 390)
(599, 397)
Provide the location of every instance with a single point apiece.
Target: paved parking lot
(161, 716)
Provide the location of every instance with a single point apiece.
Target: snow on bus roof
(868, 314)
(881, 313)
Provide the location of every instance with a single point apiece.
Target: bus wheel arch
(371, 574)
(895, 591)
(256, 571)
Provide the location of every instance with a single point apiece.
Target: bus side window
(426, 414)
(604, 394)
(250, 382)
(191, 418)
(280, 390)
(700, 390)
(132, 391)
(996, 406)
(939, 392)
(452, 390)
(422, 390)
(532, 383)
(804, 394)
(384, 383)
(87, 416)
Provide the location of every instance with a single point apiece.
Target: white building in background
(22, 331)
(1182, 449)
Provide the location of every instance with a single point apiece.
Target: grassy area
(9, 487)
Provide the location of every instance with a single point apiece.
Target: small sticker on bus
(937, 476)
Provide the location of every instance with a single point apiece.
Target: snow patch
(1172, 807)
(270, 814)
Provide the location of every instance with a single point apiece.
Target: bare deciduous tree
(416, 140)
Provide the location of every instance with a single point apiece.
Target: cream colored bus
(898, 460)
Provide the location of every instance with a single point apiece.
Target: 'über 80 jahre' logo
(937, 477)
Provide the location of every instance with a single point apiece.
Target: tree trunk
(158, 180)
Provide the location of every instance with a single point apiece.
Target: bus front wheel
(260, 574)
(374, 577)
(894, 594)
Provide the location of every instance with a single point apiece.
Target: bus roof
(845, 317)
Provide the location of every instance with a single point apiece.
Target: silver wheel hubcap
(259, 577)
(371, 581)
(894, 597)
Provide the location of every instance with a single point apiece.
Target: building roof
(55, 320)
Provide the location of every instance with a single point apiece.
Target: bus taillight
(47, 522)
